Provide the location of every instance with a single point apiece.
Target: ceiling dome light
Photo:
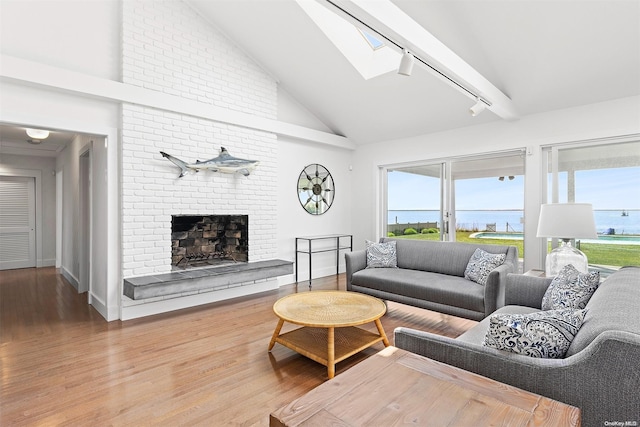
(406, 63)
(38, 133)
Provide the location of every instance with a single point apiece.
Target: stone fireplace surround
(220, 244)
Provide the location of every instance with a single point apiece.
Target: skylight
(373, 41)
(365, 51)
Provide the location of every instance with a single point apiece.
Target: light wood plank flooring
(61, 363)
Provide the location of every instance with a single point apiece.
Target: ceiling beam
(390, 22)
(42, 75)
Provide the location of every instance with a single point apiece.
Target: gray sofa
(430, 275)
(600, 373)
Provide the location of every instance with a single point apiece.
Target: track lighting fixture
(477, 108)
(406, 63)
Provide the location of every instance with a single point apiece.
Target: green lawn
(597, 253)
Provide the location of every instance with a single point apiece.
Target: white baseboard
(171, 304)
(99, 305)
(70, 277)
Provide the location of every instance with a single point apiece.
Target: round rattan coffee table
(328, 318)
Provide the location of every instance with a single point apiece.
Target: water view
(607, 221)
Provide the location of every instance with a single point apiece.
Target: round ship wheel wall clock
(315, 189)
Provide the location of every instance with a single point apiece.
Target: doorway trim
(85, 201)
(106, 295)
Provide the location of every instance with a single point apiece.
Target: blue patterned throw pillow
(381, 255)
(570, 289)
(545, 334)
(481, 264)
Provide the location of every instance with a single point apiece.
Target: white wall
(603, 120)
(77, 35)
(291, 111)
(67, 162)
(294, 221)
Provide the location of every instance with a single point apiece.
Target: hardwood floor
(63, 364)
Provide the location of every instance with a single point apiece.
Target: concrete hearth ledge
(177, 282)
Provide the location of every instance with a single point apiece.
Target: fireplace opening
(209, 240)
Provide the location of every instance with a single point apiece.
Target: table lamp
(566, 221)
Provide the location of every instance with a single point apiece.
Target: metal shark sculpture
(225, 163)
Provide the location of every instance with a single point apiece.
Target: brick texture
(168, 48)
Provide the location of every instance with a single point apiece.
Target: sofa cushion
(613, 307)
(439, 288)
(545, 334)
(570, 289)
(481, 264)
(476, 334)
(381, 255)
(438, 257)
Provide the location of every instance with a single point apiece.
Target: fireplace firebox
(209, 240)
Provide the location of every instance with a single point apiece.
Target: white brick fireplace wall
(168, 48)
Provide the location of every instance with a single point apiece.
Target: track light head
(477, 108)
(406, 63)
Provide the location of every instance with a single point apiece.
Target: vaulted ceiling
(543, 55)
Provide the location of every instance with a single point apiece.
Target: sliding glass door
(415, 202)
(608, 177)
(472, 199)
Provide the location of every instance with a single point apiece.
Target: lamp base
(563, 255)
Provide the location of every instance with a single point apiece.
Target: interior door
(17, 222)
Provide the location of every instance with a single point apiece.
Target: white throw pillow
(381, 255)
(570, 289)
(481, 264)
(544, 334)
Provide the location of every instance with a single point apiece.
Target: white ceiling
(544, 55)
(14, 140)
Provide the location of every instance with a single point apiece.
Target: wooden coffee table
(328, 319)
(395, 387)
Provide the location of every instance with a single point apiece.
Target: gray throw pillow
(570, 289)
(481, 264)
(381, 255)
(545, 334)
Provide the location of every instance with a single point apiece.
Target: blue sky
(604, 189)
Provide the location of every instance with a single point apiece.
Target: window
(608, 177)
(473, 199)
(373, 41)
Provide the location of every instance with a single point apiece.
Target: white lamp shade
(567, 221)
